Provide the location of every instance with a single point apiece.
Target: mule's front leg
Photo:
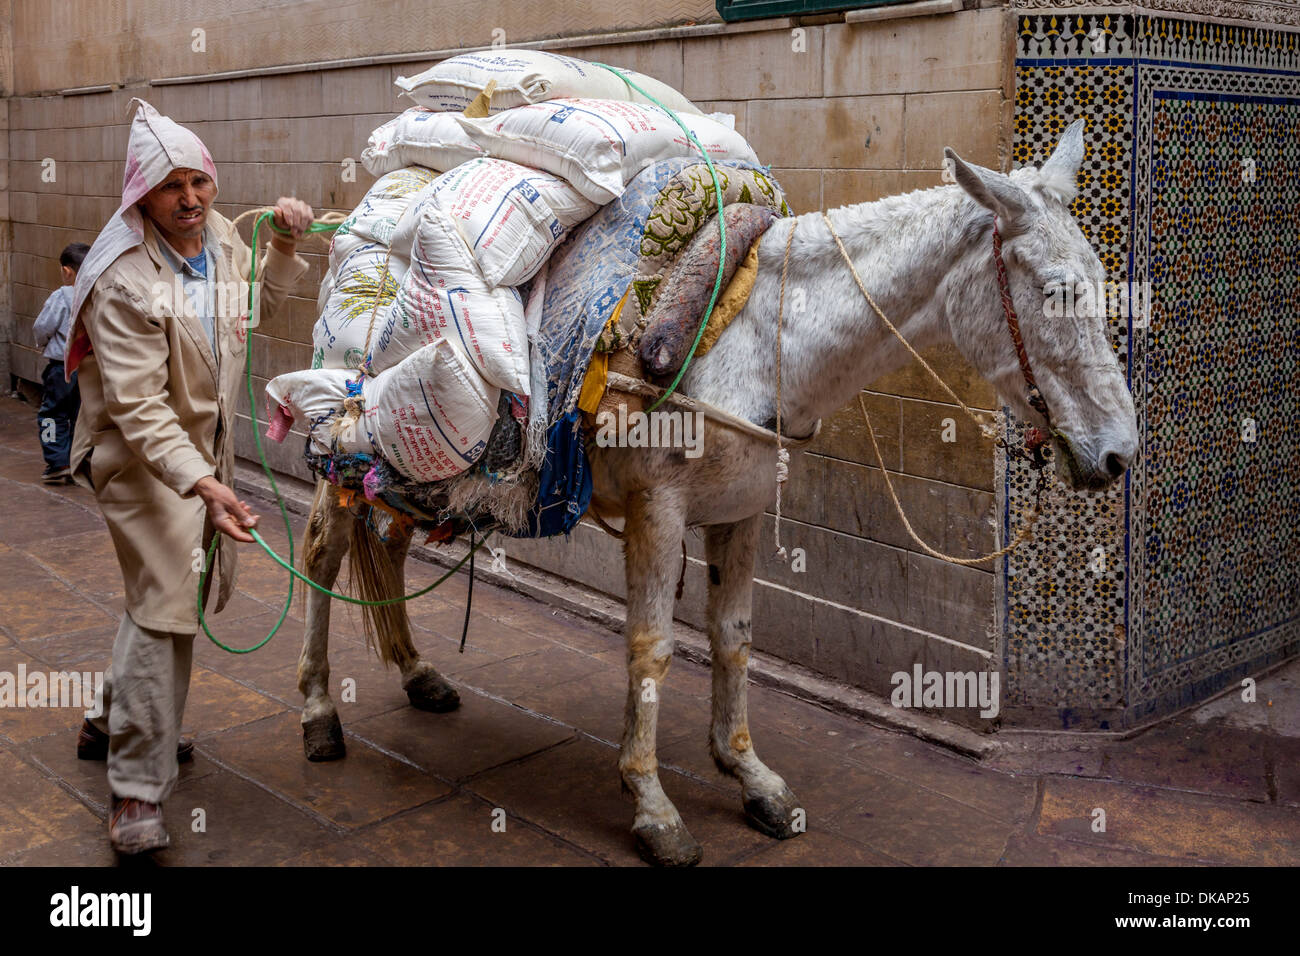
(323, 549)
(651, 551)
(770, 806)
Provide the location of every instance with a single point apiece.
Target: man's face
(179, 204)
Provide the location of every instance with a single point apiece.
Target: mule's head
(1059, 290)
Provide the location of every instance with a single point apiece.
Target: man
(159, 340)
(60, 400)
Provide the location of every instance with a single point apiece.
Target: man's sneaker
(135, 826)
(56, 476)
(92, 744)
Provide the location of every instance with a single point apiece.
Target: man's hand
(294, 215)
(226, 512)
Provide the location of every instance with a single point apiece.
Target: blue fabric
(199, 263)
(194, 281)
(564, 484)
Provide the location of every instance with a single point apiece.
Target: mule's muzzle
(1084, 472)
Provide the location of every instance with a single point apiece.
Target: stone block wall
(843, 112)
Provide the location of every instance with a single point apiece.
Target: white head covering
(157, 146)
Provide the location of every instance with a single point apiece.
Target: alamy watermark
(225, 298)
(133, 911)
(82, 690)
(923, 688)
(657, 429)
(1104, 298)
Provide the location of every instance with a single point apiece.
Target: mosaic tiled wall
(1133, 603)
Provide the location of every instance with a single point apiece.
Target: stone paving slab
(1223, 761)
(245, 825)
(464, 831)
(482, 735)
(573, 791)
(534, 744)
(1171, 823)
(1028, 849)
(35, 810)
(366, 787)
(1284, 759)
(910, 824)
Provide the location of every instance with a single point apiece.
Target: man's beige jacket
(158, 408)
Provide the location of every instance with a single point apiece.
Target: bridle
(1036, 439)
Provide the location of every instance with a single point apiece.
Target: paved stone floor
(536, 736)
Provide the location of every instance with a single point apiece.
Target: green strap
(279, 501)
(722, 229)
(257, 436)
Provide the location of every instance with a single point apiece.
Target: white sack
(599, 145)
(314, 399)
(444, 296)
(339, 335)
(510, 216)
(356, 264)
(418, 137)
(528, 76)
(430, 416)
(377, 214)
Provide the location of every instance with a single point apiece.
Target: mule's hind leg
(652, 538)
(769, 805)
(425, 688)
(323, 549)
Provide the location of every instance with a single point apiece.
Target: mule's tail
(374, 576)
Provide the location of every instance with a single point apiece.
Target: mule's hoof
(775, 816)
(430, 691)
(322, 738)
(667, 845)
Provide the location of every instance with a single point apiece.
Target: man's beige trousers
(142, 702)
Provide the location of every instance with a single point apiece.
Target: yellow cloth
(732, 300)
(481, 105)
(593, 384)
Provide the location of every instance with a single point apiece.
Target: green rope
(266, 468)
(722, 230)
(279, 501)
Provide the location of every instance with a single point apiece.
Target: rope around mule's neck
(986, 428)
(1021, 536)
(782, 456)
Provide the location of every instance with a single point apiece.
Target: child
(61, 402)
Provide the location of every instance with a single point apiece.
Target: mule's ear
(1059, 172)
(990, 189)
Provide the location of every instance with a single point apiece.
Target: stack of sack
(422, 341)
